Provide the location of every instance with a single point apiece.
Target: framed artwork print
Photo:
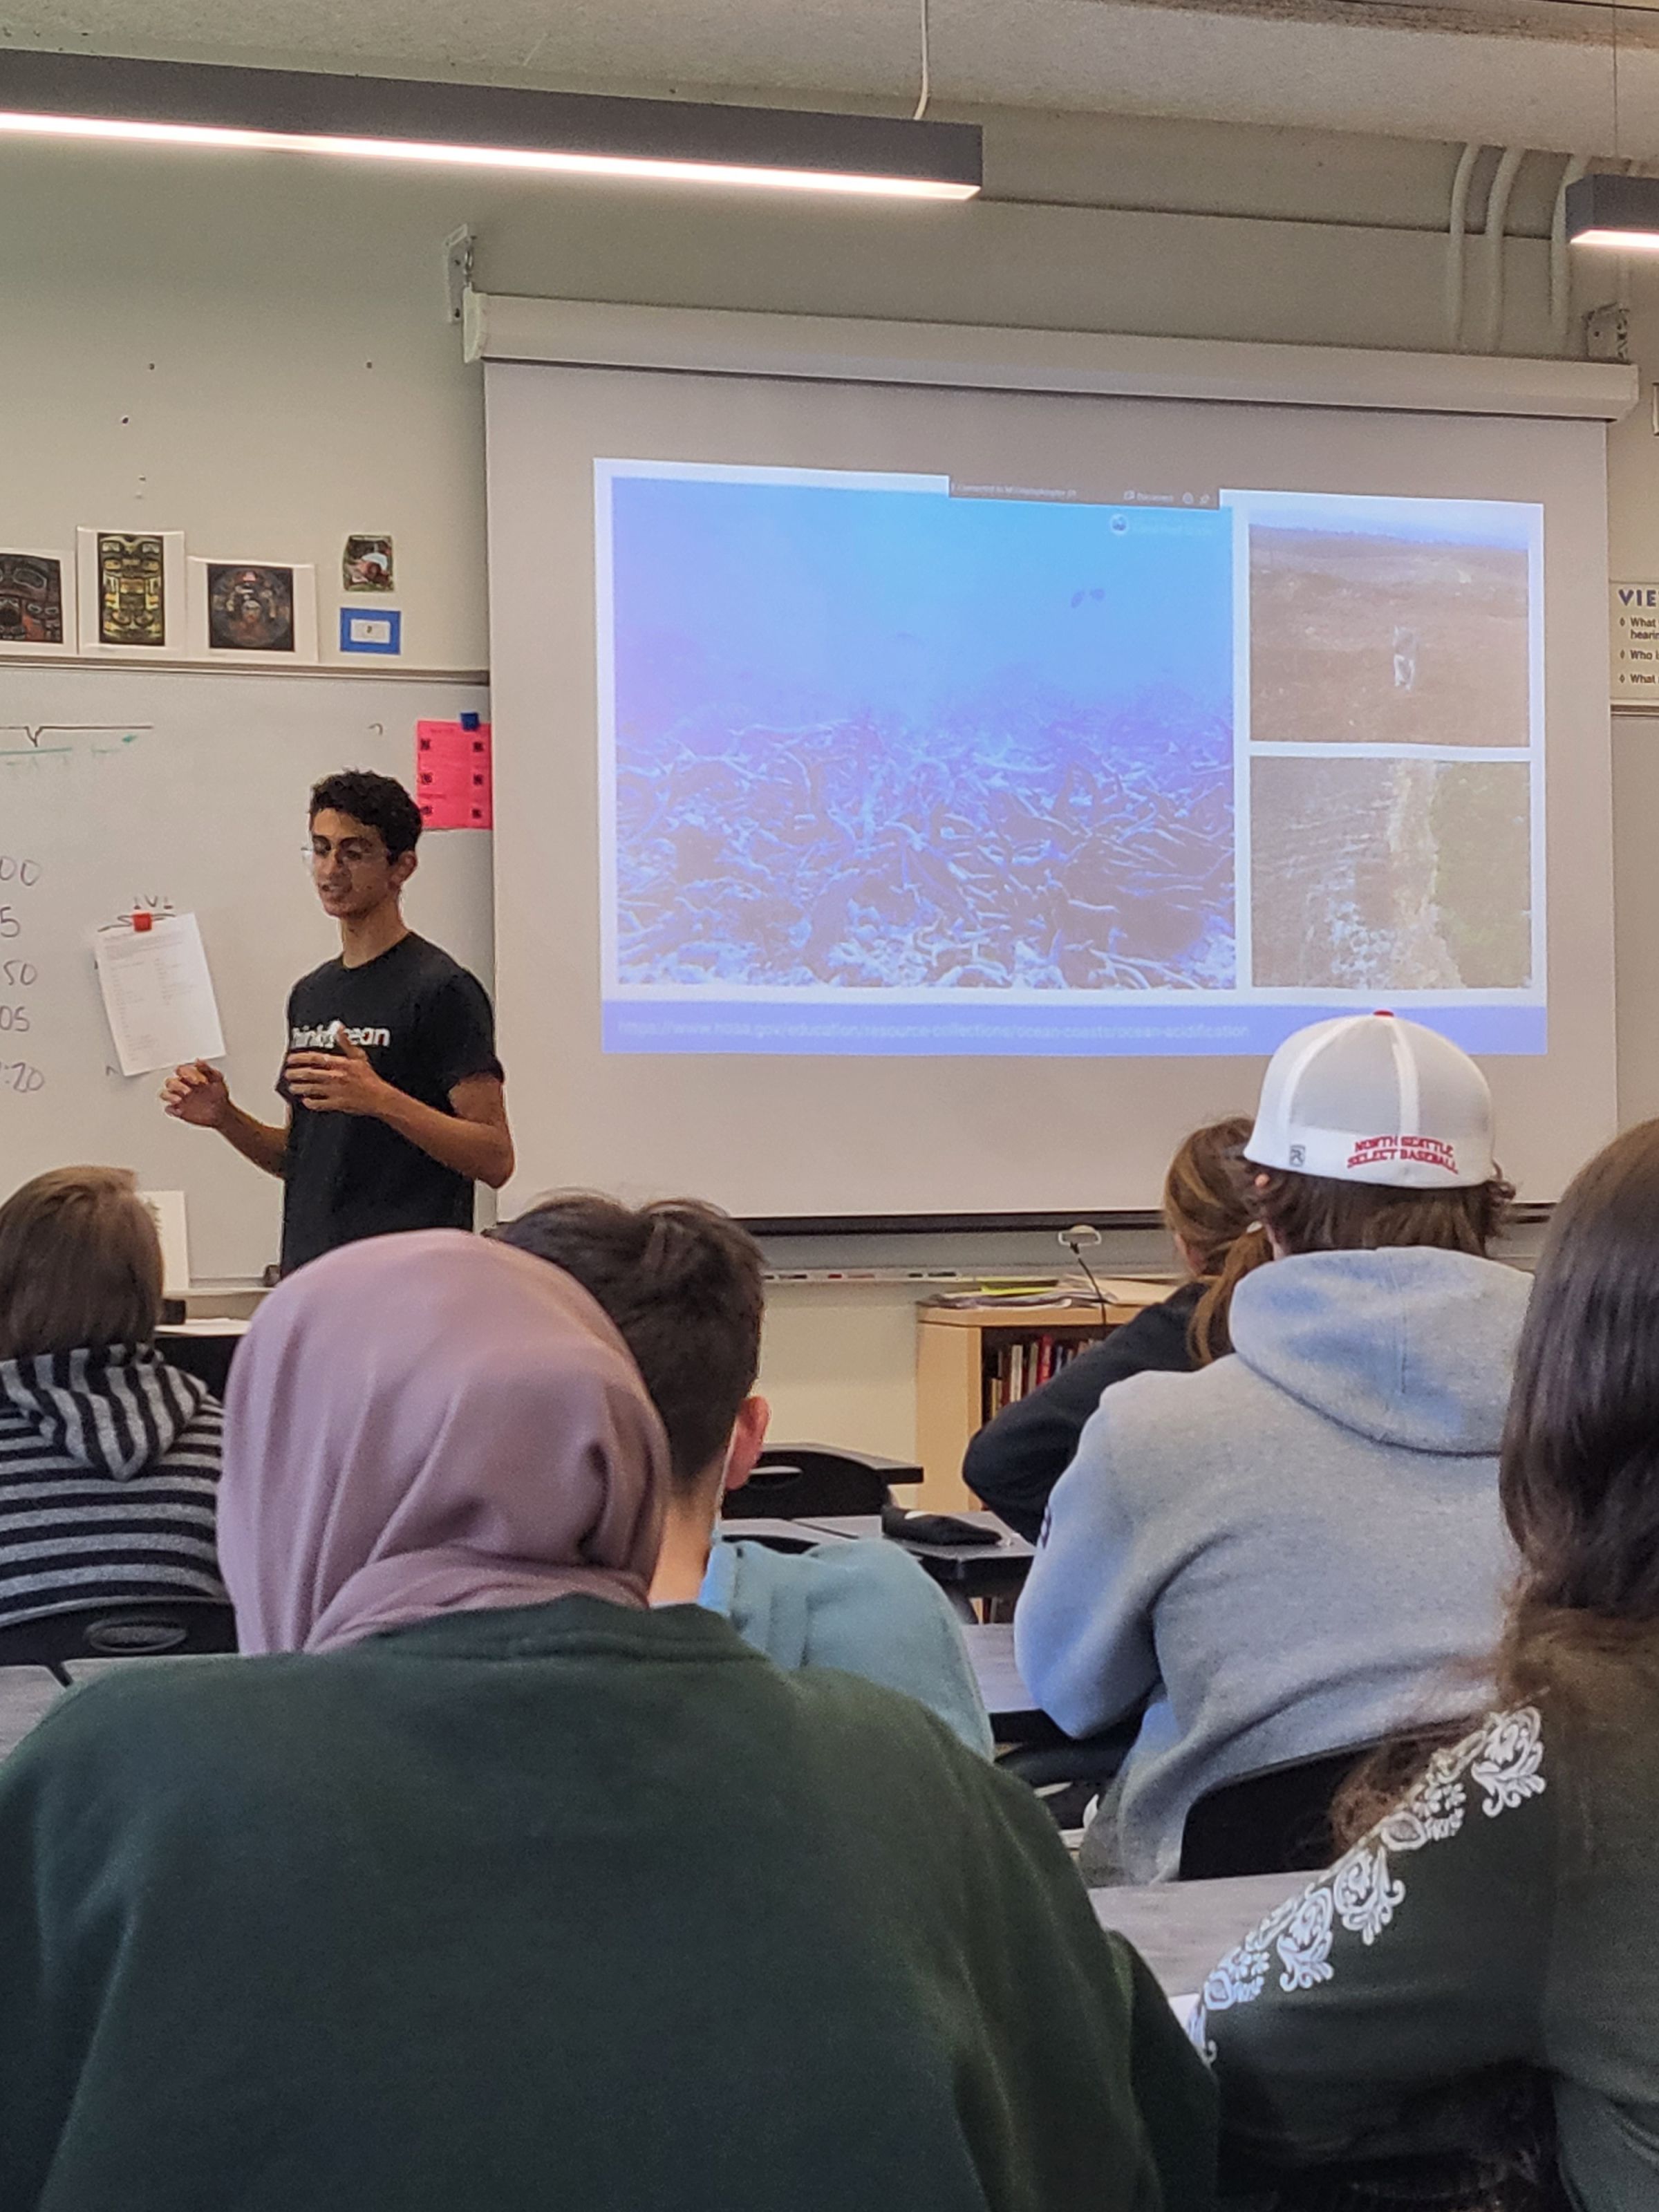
(131, 594)
(263, 612)
(37, 603)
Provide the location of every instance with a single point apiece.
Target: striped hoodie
(109, 1463)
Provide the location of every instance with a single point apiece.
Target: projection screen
(919, 800)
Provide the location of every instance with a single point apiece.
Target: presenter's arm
(197, 1093)
(472, 1138)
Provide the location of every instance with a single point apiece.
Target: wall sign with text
(1634, 651)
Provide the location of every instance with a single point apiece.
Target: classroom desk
(1016, 1716)
(968, 1572)
(1181, 1928)
(202, 1348)
(777, 1535)
(25, 1693)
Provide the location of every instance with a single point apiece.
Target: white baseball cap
(1369, 1098)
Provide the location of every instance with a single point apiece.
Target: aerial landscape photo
(1391, 875)
(1359, 637)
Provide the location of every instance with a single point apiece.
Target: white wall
(253, 346)
(253, 349)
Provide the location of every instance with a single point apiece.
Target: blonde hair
(1205, 1205)
(80, 1264)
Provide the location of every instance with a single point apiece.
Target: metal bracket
(458, 250)
(1606, 333)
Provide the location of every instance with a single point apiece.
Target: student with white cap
(1299, 1547)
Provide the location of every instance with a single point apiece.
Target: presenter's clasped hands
(338, 1082)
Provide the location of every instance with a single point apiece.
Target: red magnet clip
(141, 922)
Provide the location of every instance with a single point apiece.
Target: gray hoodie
(1294, 1550)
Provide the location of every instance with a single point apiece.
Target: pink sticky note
(454, 781)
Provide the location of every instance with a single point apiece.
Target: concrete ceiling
(1529, 72)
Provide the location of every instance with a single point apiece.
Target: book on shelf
(1013, 1370)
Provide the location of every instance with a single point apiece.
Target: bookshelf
(963, 1354)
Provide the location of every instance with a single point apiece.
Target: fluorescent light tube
(97, 97)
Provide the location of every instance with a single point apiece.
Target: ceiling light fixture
(99, 97)
(1605, 209)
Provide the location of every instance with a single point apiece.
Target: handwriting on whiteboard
(19, 973)
(28, 740)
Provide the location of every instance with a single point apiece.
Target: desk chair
(802, 1482)
(1069, 1772)
(1276, 1821)
(207, 1358)
(149, 1629)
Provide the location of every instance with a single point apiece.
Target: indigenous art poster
(259, 610)
(35, 614)
(250, 610)
(132, 597)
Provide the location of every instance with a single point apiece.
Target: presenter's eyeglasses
(354, 852)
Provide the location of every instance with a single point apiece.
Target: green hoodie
(566, 1909)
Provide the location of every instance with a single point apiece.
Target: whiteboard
(123, 788)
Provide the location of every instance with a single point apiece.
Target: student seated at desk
(485, 1885)
(683, 1282)
(1501, 1923)
(1015, 1460)
(109, 1457)
(1295, 1548)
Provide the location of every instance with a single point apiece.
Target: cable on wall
(927, 63)
(1458, 224)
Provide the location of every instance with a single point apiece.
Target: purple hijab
(431, 1424)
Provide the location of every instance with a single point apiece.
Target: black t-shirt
(426, 1025)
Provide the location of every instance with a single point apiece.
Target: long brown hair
(1579, 1470)
(1205, 1205)
(80, 1264)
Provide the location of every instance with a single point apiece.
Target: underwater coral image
(877, 739)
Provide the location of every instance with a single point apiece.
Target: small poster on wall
(367, 566)
(36, 593)
(131, 591)
(257, 611)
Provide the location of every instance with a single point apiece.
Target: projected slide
(888, 768)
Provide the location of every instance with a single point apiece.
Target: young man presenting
(394, 1093)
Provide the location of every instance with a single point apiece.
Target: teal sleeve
(875, 1612)
(1354, 2021)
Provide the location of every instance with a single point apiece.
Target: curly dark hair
(379, 802)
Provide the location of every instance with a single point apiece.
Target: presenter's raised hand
(197, 1093)
(343, 1081)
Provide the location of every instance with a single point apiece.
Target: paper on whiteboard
(158, 995)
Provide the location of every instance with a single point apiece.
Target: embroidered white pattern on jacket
(1360, 1892)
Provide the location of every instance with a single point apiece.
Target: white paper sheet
(158, 995)
(167, 1211)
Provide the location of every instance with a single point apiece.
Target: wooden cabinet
(957, 1348)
